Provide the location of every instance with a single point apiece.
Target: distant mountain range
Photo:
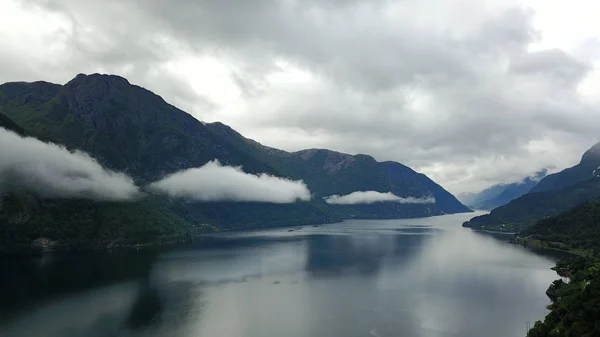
(131, 130)
(553, 195)
(501, 194)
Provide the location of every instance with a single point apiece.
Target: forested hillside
(576, 304)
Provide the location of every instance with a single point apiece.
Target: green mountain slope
(127, 128)
(84, 224)
(8, 124)
(532, 207)
(578, 228)
(575, 309)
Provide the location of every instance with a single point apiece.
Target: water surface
(414, 278)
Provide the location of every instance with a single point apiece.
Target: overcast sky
(469, 92)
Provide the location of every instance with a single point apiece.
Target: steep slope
(575, 308)
(577, 228)
(30, 223)
(502, 194)
(126, 127)
(530, 208)
(590, 162)
(332, 173)
(8, 124)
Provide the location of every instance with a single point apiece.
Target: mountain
(532, 207)
(329, 173)
(130, 129)
(554, 194)
(590, 162)
(502, 194)
(515, 190)
(475, 200)
(482, 199)
(127, 128)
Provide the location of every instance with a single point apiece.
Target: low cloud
(50, 170)
(371, 197)
(536, 176)
(215, 182)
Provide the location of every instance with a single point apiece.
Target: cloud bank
(371, 197)
(51, 170)
(215, 182)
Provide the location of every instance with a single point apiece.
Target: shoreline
(57, 247)
(45, 245)
(551, 246)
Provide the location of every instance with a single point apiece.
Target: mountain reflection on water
(419, 277)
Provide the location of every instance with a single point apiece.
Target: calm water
(421, 278)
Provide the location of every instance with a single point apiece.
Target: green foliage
(576, 307)
(576, 304)
(83, 224)
(244, 215)
(8, 124)
(578, 228)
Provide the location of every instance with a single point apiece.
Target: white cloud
(215, 182)
(371, 197)
(51, 170)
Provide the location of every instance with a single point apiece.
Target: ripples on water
(420, 277)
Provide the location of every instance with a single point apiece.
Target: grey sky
(471, 93)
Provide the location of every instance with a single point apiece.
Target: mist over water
(420, 277)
